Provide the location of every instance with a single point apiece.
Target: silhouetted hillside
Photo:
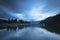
(2, 21)
(52, 23)
(13, 24)
(12, 21)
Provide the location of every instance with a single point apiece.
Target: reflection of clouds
(32, 34)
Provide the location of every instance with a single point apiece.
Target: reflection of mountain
(52, 23)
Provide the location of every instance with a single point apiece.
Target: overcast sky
(31, 10)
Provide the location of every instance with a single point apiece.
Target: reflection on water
(28, 33)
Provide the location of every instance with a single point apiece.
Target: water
(28, 33)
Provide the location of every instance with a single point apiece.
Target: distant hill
(13, 24)
(12, 21)
(52, 23)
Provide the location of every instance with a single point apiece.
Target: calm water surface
(29, 33)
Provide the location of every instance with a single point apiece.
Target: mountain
(52, 23)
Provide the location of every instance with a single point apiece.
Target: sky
(30, 10)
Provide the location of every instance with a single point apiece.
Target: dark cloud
(55, 3)
(52, 6)
(22, 6)
(19, 5)
(15, 5)
(4, 15)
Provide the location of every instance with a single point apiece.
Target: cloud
(32, 10)
(36, 13)
(52, 6)
(15, 5)
(20, 16)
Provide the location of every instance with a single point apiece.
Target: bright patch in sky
(35, 14)
(20, 16)
(32, 10)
